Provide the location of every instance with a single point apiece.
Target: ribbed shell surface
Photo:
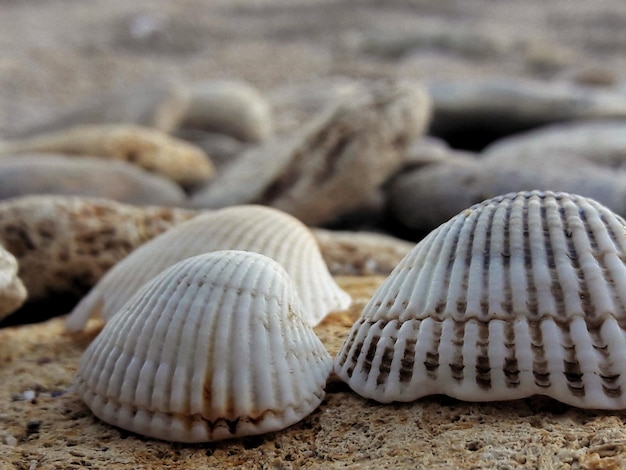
(212, 348)
(250, 228)
(519, 295)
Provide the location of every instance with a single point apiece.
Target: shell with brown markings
(523, 294)
(214, 347)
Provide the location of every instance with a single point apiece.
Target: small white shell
(519, 295)
(212, 348)
(251, 228)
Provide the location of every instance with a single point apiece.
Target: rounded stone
(94, 177)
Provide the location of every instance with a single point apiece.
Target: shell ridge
(485, 306)
(580, 369)
(416, 286)
(470, 353)
(181, 340)
(435, 299)
(244, 389)
(596, 267)
(367, 360)
(523, 366)
(613, 354)
(519, 257)
(555, 359)
(219, 384)
(567, 271)
(498, 352)
(265, 326)
(385, 353)
(292, 358)
(126, 368)
(344, 353)
(541, 276)
(157, 334)
(350, 366)
(456, 298)
(495, 275)
(405, 365)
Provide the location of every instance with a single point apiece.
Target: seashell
(250, 228)
(64, 244)
(519, 295)
(214, 347)
(147, 148)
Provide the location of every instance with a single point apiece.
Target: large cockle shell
(212, 348)
(250, 228)
(519, 295)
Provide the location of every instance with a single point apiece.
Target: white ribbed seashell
(260, 229)
(212, 348)
(523, 294)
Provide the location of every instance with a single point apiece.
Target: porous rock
(64, 244)
(234, 108)
(360, 253)
(93, 177)
(147, 148)
(12, 290)
(160, 104)
(334, 165)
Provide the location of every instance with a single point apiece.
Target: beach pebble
(495, 107)
(222, 148)
(234, 108)
(424, 198)
(147, 148)
(334, 165)
(601, 142)
(160, 104)
(57, 174)
(428, 149)
(64, 244)
(12, 291)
